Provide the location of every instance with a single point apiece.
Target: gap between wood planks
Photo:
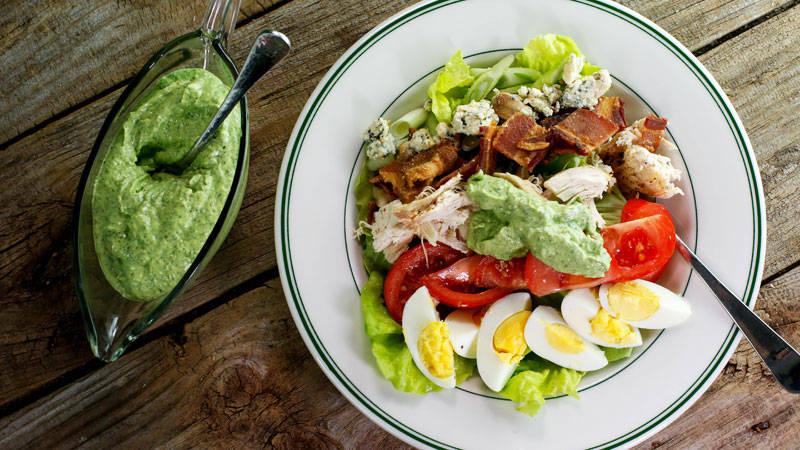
(105, 92)
(732, 34)
(174, 329)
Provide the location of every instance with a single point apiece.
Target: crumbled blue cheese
(421, 140)
(544, 102)
(468, 119)
(584, 92)
(380, 142)
(572, 69)
(443, 131)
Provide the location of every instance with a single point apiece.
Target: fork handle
(781, 359)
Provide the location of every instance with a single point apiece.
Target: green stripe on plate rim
(367, 42)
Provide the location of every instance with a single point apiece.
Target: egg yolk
(611, 330)
(632, 301)
(436, 351)
(562, 338)
(509, 338)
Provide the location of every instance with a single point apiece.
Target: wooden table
(226, 366)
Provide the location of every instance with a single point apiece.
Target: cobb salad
(509, 228)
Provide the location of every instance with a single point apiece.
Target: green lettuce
(560, 163)
(616, 354)
(610, 205)
(389, 348)
(536, 379)
(363, 191)
(547, 54)
(450, 87)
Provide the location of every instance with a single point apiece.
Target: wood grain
(252, 385)
(78, 38)
(63, 53)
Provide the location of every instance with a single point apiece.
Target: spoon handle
(781, 359)
(269, 48)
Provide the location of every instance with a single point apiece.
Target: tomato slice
(462, 284)
(458, 299)
(405, 275)
(640, 247)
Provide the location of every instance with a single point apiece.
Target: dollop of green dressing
(511, 222)
(149, 226)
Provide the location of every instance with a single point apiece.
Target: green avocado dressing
(512, 222)
(149, 226)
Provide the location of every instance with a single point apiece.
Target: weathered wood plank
(76, 38)
(710, 20)
(745, 407)
(254, 385)
(40, 332)
(760, 74)
(63, 53)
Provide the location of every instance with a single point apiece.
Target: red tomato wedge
(461, 284)
(405, 275)
(640, 247)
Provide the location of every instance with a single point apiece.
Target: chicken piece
(435, 216)
(583, 183)
(584, 130)
(506, 105)
(521, 129)
(406, 179)
(613, 109)
(647, 132)
(647, 173)
(521, 183)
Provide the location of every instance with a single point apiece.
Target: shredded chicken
(637, 166)
(648, 173)
(521, 183)
(435, 216)
(583, 183)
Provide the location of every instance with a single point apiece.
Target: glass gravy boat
(112, 322)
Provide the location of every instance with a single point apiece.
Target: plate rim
(291, 292)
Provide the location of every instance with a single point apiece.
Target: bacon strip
(520, 128)
(613, 109)
(585, 130)
(408, 178)
(487, 156)
(652, 132)
(466, 170)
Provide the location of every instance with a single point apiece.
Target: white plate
(385, 73)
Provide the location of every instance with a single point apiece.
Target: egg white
(418, 313)
(590, 358)
(494, 371)
(672, 308)
(463, 332)
(578, 308)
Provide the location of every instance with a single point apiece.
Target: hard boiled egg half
(463, 325)
(501, 339)
(583, 313)
(428, 339)
(550, 338)
(644, 304)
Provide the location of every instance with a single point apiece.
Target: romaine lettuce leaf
(536, 379)
(615, 354)
(560, 163)
(390, 351)
(450, 87)
(547, 54)
(610, 205)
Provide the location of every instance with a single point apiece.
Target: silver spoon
(269, 48)
(781, 359)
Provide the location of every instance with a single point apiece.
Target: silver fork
(781, 359)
